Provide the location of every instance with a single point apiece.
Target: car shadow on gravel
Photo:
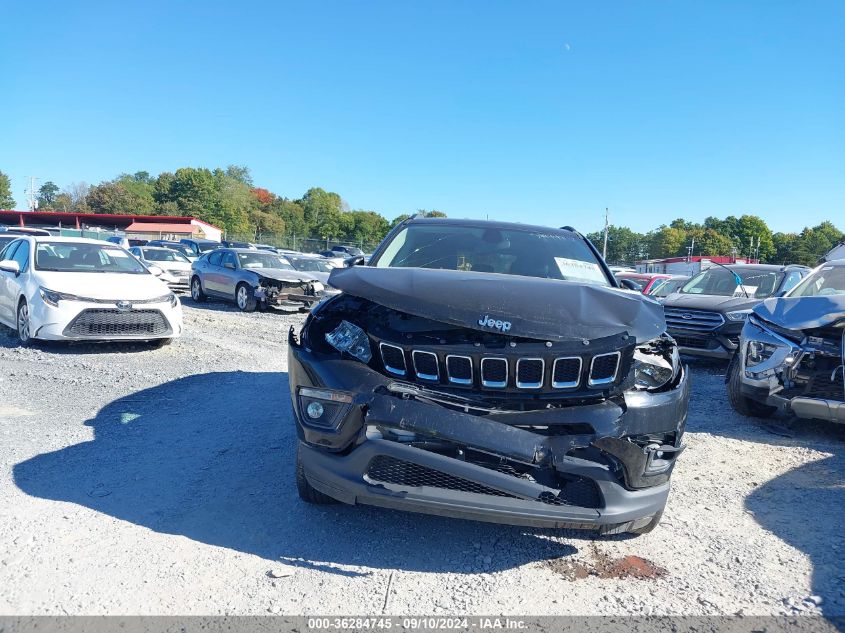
(804, 507)
(211, 457)
(221, 305)
(9, 340)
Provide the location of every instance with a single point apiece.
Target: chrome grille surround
(522, 384)
(399, 371)
(567, 384)
(494, 384)
(603, 380)
(454, 380)
(424, 375)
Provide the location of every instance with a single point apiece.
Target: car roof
(69, 240)
(494, 224)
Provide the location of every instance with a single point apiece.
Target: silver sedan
(253, 278)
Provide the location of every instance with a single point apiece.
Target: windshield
(75, 257)
(755, 283)
(312, 265)
(263, 260)
(826, 281)
(164, 255)
(665, 288)
(204, 247)
(549, 255)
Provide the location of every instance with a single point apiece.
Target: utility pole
(31, 194)
(606, 227)
(690, 249)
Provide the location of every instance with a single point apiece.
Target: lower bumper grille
(102, 322)
(576, 491)
(389, 470)
(693, 342)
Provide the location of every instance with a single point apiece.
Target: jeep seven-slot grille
(693, 320)
(99, 322)
(494, 372)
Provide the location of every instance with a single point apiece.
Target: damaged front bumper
(377, 447)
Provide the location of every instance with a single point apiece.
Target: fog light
(314, 410)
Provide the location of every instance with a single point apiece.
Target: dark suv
(706, 315)
(489, 371)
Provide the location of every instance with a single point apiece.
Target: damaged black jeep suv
(489, 371)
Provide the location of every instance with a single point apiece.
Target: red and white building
(137, 226)
(688, 266)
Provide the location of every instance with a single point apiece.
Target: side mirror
(629, 284)
(355, 260)
(229, 265)
(155, 270)
(10, 266)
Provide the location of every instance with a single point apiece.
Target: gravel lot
(143, 481)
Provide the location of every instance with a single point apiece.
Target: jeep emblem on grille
(123, 306)
(486, 321)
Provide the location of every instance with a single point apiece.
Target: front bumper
(345, 478)
(49, 323)
(720, 344)
(339, 461)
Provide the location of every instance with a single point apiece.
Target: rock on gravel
(194, 446)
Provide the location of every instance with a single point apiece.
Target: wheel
(625, 528)
(740, 403)
(196, 290)
(245, 298)
(24, 333)
(306, 491)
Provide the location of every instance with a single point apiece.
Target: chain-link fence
(301, 243)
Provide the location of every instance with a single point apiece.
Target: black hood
(717, 303)
(548, 309)
(799, 313)
(280, 274)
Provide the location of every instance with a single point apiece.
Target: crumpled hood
(548, 309)
(710, 302)
(280, 274)
(799, 313)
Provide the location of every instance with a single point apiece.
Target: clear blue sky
(541, 112)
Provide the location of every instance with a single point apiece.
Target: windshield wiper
(737, 278)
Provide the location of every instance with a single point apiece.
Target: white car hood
(108, 286)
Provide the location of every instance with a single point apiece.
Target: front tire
(245, 298)
(306, 491)
(24, 329)
(740, 403)
(196, 291)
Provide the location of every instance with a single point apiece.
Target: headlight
(738, 315)
(348, 337)
(758, 352)
(655, 364)
(51, 297)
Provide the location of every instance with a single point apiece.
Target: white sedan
(176, 267)
(63, 288)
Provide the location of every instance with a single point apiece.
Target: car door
(229, 274)
(7, 298)
(210, 273)
(16, 283)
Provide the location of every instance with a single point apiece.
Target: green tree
(6, 199)
(47, 194)
(666, 241)
(624, 246)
